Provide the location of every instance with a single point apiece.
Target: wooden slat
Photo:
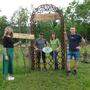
(23, 36)
(46, 17)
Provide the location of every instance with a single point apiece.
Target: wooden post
(32, 43)
(41, 17)
(63, 44)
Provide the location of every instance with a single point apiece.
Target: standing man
(73, 50)
(40, 43)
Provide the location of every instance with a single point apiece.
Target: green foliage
(70, 15)
(83, 11)
(20, 20)
(3, 24)
(78, 15)
(75, 15)
(47, 28)
(83, 15)
(41, 80)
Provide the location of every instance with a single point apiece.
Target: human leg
(76, 58)
(44, 59)
(55, 54)
(69, 56)
(38, 59)
(10, 64)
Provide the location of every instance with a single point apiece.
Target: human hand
(6, 57)
(78, 47)
(57, 49)
(36, 48)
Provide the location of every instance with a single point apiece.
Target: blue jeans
(73, 54)
(54, 55)
(8, 64)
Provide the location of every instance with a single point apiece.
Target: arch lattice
(43, 9)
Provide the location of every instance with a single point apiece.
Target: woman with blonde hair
(8, 53)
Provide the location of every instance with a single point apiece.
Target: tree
(70, 15)
(78, 15)
(20, 19)
(3, 23)
(83, 12)
(47, 27)
(83, 19)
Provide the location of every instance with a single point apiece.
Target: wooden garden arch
(54, 13)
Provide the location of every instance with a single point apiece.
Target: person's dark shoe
(68, 74)
(75, 73)
(39, 68)
(56, 68)
(45, 69)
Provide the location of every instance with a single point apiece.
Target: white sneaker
(11, 78)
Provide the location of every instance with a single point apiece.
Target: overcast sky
(8, 7)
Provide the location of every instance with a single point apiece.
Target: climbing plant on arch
(47, 12)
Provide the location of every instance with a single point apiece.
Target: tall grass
(44, 80)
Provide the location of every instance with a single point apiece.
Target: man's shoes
(56, 67)
(75, 73)
(68, 74)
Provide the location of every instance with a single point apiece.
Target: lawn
(46, 80)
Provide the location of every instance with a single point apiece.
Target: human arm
(82, 42)
(35, 45)
(46, 43)
(59, 45)
(4, 48)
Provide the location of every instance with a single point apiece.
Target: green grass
(49, 80)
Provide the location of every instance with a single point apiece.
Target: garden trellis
(47, 12)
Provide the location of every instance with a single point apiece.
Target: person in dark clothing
(73, 49)
(40, 43)
(8, 53)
